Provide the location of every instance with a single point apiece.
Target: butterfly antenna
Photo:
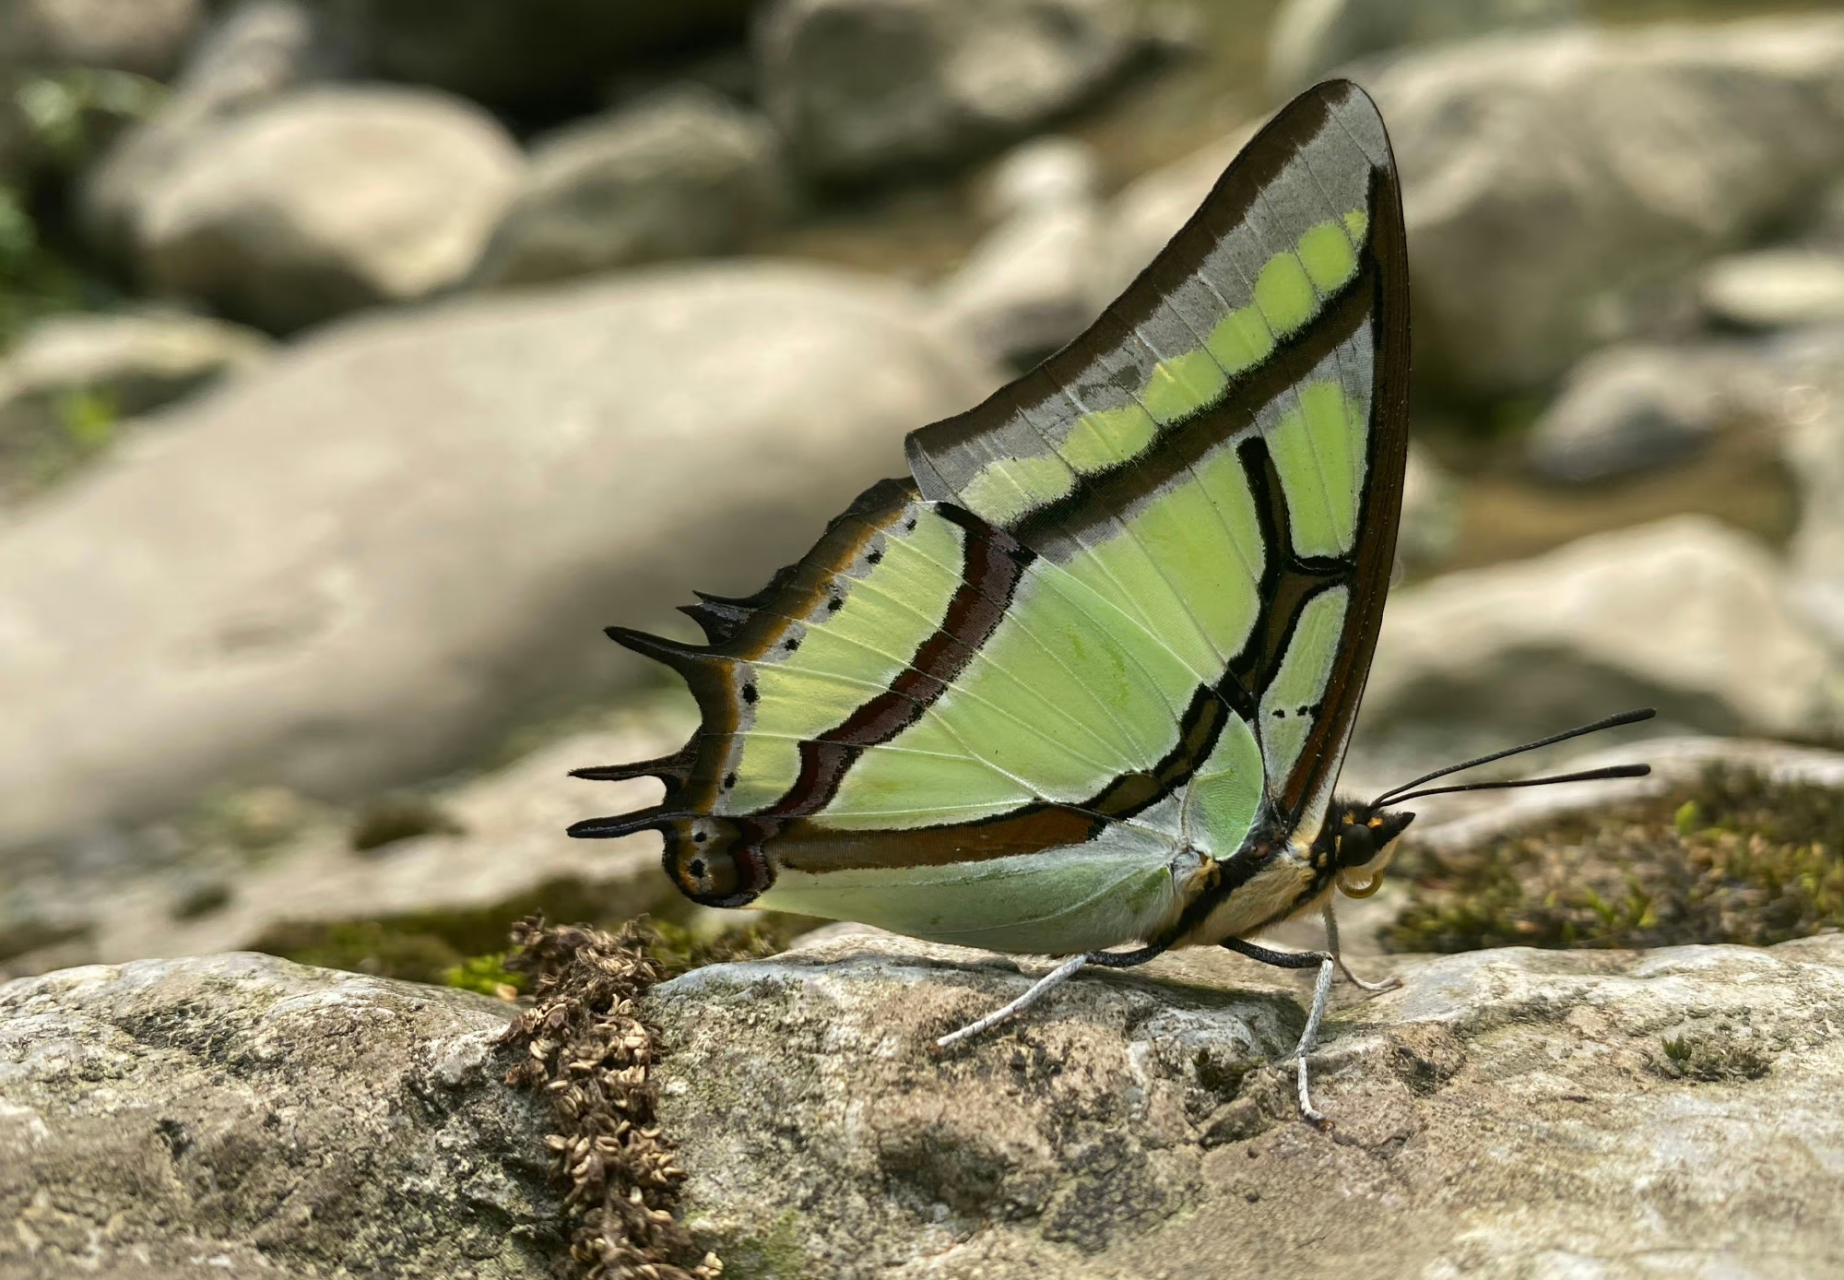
(1407, 791)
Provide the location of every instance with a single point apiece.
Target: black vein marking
(992, 566)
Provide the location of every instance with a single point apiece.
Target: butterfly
(1084, 679)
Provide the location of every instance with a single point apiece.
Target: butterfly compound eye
(1357, 845)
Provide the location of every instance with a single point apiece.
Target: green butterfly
(1086, 677)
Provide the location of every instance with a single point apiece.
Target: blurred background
(361, 359)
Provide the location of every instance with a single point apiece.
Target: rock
(1812, 410)
(1150, 210)
(1561, 187)
(1502, 1110)
(355, 567)
(270, 872)
(864, 87)
(257, 50)
(65, 386)
(240, 1114)
(1558, 186)
(1774, 288)
(1025, 290)
(1053, 172)
(1309, 38)
(1632, 408)
(328, 200)
(682, 175)
(138, 361)
(544, 59)
(146, 37)
(1430, 511)
(1685, 615)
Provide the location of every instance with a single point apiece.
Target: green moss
(772, 1255)
(486, 974)
(424, 946)
(1734, 857)
(678, 948)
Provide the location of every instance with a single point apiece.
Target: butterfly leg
(1322, 996)
(1331, 944)
(1044, 986)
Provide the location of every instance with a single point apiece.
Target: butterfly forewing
(1122, 612)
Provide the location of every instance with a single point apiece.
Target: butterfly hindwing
(1124, 609)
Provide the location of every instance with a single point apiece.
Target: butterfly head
(1357, 843)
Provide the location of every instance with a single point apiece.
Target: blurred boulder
(85, 372)
(1634, 407)
(1308, 38)
(328, 200)
(682, 175)
(1561, 187)
(147, 37)
(1430, 511)
(256, 51)
(1027, 287)
(138, 361)
(1049, 172)
(285, 875)
(241, 1115)
(353, 568)
(1686, 615)
(534, 58)
(1558, 187)
(1812, 410)
(865, 87)
(1774, 289)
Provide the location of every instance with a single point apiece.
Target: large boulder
(1561, 187)
(242, 1115)
(414, 880)
(1311, 37)
(357, 565)
(1686, 615)
(147, 37)
(329, 200)
(685, 174)
(256, 51)
(863, 87)
(65, 385)
(1503, 1114)
(1558, 187)
(1813, 405)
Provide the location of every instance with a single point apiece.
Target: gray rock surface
(328, 200)
(277, 869)
(1686, 615)
(255, 51)
(1775, 288)
(862, 87)
(682, 175)
(140, 361)
(147, 37)
(353, 568)
(238, 1114)
(1309, 38)
(1504, 1114)
(1053, 171)
(1812, 410)
(1024, 291)
(1635, 407)
(1558, 186)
